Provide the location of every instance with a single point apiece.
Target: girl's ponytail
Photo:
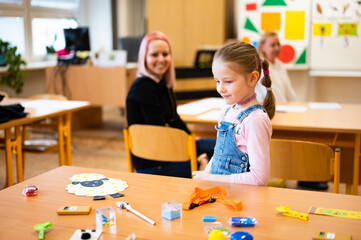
(269, 102)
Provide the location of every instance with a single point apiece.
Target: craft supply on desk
(216, 235)
(93, 184)
(126, 205)
(171, 210)
(209, 218)
(242, 221)
(30, 191)
(41, 227)
(106, 220)
(200, 196)
(320, 235)
(286, 210)
(212, 226)
(86, 234)
(335, 212)
(74, 210)
(241, 236)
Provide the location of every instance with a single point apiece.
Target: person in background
(242, 152)
(269, 48)
(151, 100)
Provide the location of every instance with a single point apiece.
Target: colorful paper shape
(322, 29)
(295, 25)
(347, 29)
(270, 21)
(274, 3)
(335, 212)
(250, 26)
(302, 58)
(287, 53)
(93, 184)
(255, 44)
(245, 40)
(251, 6)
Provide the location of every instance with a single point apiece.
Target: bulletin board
(335, 40)
(289, 18)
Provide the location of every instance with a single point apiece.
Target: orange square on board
(270, 21)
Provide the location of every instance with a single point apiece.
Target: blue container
(241, 236)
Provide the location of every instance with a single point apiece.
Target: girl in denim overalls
(241, 154)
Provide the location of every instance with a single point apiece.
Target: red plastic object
(30, 191)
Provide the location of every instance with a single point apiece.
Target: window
(49, 32)
(63, 4)
(31, 25)
(12, 30)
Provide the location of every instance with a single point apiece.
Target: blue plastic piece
(170, 215)
(209, 218)
(242, 221)
(241, 236)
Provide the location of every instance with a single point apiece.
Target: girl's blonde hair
(263, 39)
(245, 59)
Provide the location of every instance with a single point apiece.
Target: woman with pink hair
(151, 101)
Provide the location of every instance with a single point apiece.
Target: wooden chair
(159, 143)
(305, 161)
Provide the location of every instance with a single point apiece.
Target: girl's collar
(247, 100)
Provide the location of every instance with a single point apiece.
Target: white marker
(126, 205)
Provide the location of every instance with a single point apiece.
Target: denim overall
(227, 158)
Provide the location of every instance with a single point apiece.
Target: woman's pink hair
(169, 76)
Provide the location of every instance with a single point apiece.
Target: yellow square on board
(322, 29)
(270, 21)
(295, 25)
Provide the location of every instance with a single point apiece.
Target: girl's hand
(203, 175)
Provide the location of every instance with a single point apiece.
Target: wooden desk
(146, 193)
(333, 127)
(98, 85)
(39, 110)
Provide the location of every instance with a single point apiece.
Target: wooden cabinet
(98, 85)
(189, 25)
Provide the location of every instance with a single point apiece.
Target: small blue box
(171, 210)
(170, 215)
(209, 218)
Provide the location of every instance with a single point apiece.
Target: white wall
(97, 15)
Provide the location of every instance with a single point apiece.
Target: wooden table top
(344, 120)
(40, 109)
(146, 193)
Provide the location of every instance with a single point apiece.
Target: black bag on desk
(12, 111)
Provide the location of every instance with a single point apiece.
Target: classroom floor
(101, 147)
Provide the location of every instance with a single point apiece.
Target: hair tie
(269, 89)
(265, 72)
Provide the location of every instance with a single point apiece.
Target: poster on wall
(288, 18)
(335, 39)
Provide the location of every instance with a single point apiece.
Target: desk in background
(98, 85)
(38, 110)
(146, 193)
(333, 127)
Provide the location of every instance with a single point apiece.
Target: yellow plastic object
(286, 210)
(216, 235)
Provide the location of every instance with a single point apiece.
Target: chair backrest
(304, 161)
(159, 143)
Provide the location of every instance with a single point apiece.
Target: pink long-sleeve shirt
(252, 137)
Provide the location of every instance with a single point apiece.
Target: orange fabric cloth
(200, 196)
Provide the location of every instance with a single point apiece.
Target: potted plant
(14, 77)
